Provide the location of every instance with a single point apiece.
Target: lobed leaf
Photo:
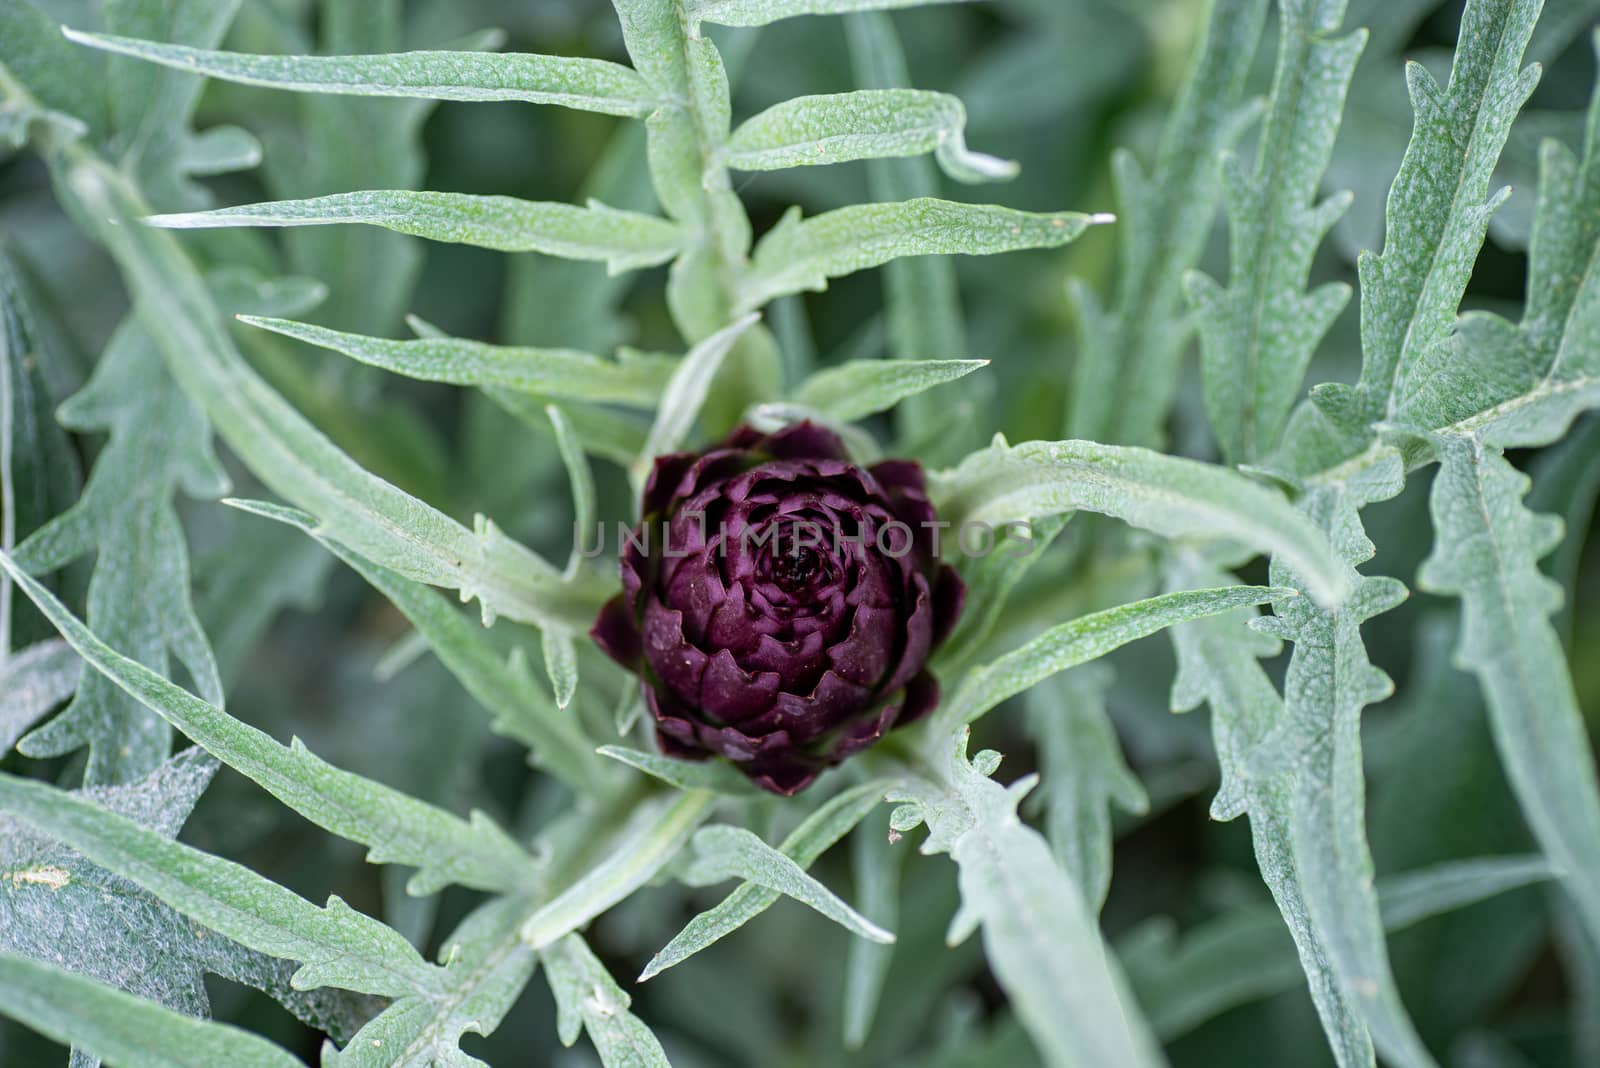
(358, 509)
(865, 124)
(336, 945)
(1040, 940)
(798, 255)
(1486, 552)
(506, 689)
(396, 827)
(1258, 335)
(623, 240)
(1127, 371)
(587, 997)
(584, 84)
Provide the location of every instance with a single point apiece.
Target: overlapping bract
(780, 603)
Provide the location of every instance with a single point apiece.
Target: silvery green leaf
(1245, 954)
(1487, 551)
(1167, 495)
(485, 971)
(1131, 344)
(653, 834)
(856, 389)
(802, 254)
(1082, 773)
(396, 827)
(685, 394)
(126, 1030)
(371, 516)
(504, 687)
(719, 853)
(623, 240)
(336, 945)
(815, 835)
(139, 596)
(1257, 336)
(32, 682)
(761, 12)
(57, 906)
(588, 998)
(1041, 942)
(921, 294)
(1087, 638)
(865, 124)
(574, 82)
(543, 372)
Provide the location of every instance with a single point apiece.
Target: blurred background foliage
(306, 648)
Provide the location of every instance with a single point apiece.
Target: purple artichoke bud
(779, 603)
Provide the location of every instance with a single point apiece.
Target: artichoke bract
(779, 603)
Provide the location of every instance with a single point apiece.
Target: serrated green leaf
(808, 841)
(855, 389)
(761, 12)
(395, 827)
(799, 255)
(1040, 940)
(588, 997)
(371, 516)
(865, 124)
(1487, 552)
(485, 971)
(127, 1030)
(584, 84)
(1127, 368)
(543, 372)
(1084, 639)
(139, 596)
(336, 945)
(1257, 336)
(623, 240)
(1170, 496)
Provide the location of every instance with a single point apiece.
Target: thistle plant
(744, 322)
